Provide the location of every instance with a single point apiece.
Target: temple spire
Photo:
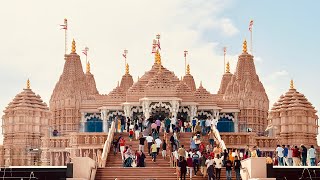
(244, 46)
(188, 70)
(291, 84)
(228, 67)
(127, 69)
(28, 84)
(88, 67)
(157, 58)
(73, 47)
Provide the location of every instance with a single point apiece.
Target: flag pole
(224, 58)
(251, 42)
(65, 36)
(185, 61)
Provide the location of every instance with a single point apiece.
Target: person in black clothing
(123, 123)
(304, 154)
(236, 166)
(173, 143)
(164, 149)
(141, 159)
(183, 168)
(128, 123)
(225, 156)
(141, 143)
(115, 145)
(228, 165)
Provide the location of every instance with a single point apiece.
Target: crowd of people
(287, 155)
(204, 156)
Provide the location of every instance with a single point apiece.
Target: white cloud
(227, 27)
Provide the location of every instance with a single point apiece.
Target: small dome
(292, 99)
(27, 99)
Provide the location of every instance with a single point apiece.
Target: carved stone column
(193, 111)
(236, 122)
(175, 108)
(146, 108)
(105, 119)
(127, 109)
(82, 122)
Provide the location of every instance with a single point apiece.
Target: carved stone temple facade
(78, 118)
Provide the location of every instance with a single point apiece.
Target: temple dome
(27, 99)
(293, 100)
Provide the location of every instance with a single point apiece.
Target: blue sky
(285, 41)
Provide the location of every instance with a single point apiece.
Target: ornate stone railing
(243, 139)
(107, 144)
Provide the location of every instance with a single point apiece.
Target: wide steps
(144, 173)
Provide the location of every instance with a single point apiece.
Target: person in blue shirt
(285, 155)
(194, 123)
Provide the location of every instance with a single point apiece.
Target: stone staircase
(159, 170)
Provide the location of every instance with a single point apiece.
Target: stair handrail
(107, 144)
(216, 132)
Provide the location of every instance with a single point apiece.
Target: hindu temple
(78, 119)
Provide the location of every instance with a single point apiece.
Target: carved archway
(160, 110)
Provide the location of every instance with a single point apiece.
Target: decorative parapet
(242, 140)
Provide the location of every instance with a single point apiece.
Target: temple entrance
(160, 110)
(93, 122)
(225, 123)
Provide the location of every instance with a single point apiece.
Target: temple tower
(72, 87)
(189, 80)
(293, 119)
(226, 78)
(25, 121)
(127, 80)
(246, 89)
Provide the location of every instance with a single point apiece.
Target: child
(131, 134)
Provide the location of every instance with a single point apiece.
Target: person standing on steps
(141, 143)
(158, 142)
(218, 166)
(149, 141)
(304, 153)
(167, 123)
(182, 151)
(115, 145)
(312, 155)
(237, 165)
(190, 165)
(164, 149)
(122, 143)
(122, 121)
(210, 170)
(154, 151)
(136, 131)
(183, 168)
(128, 123)
(131, 134)
(158, 123)
(228, 165)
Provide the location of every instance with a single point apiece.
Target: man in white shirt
(158, 142)
(289, 157)
(279, 151)
(312, 155)
(149, 141)
(210, 164)
(173, 123)
(218, 166)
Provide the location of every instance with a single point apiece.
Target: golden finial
(28, 84)
(88, 67)
(127, 68)
(73, 47)
(188, 69)
(291, 84)
(157, 58)
(244, 46)
(228, 67)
